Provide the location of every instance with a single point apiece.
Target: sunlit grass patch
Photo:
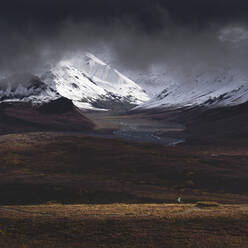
(207, 204)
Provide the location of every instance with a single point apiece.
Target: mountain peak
(89, 83)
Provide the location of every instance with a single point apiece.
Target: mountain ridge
(90, 84)
(209, 89)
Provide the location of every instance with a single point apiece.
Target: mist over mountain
(155, 43)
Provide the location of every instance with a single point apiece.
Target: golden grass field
(123, 225)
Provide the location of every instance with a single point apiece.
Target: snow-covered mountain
(211, 89)
(91, 84)
(88, 82)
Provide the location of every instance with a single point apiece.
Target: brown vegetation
(123, 225)
(41, 167)
(58, 170)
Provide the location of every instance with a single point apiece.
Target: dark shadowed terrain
(83, 185)
(56, 115)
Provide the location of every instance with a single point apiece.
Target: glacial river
(137, 128)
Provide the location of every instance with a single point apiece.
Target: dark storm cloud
(138, 33)
(49, 13)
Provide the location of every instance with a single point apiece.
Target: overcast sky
(132, 35)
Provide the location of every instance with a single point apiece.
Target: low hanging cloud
(234, 34)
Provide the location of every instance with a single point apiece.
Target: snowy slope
(111, 80)
(90, 84)
(91, 81)
(212, 89)
(25, 87)
(71, 83)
